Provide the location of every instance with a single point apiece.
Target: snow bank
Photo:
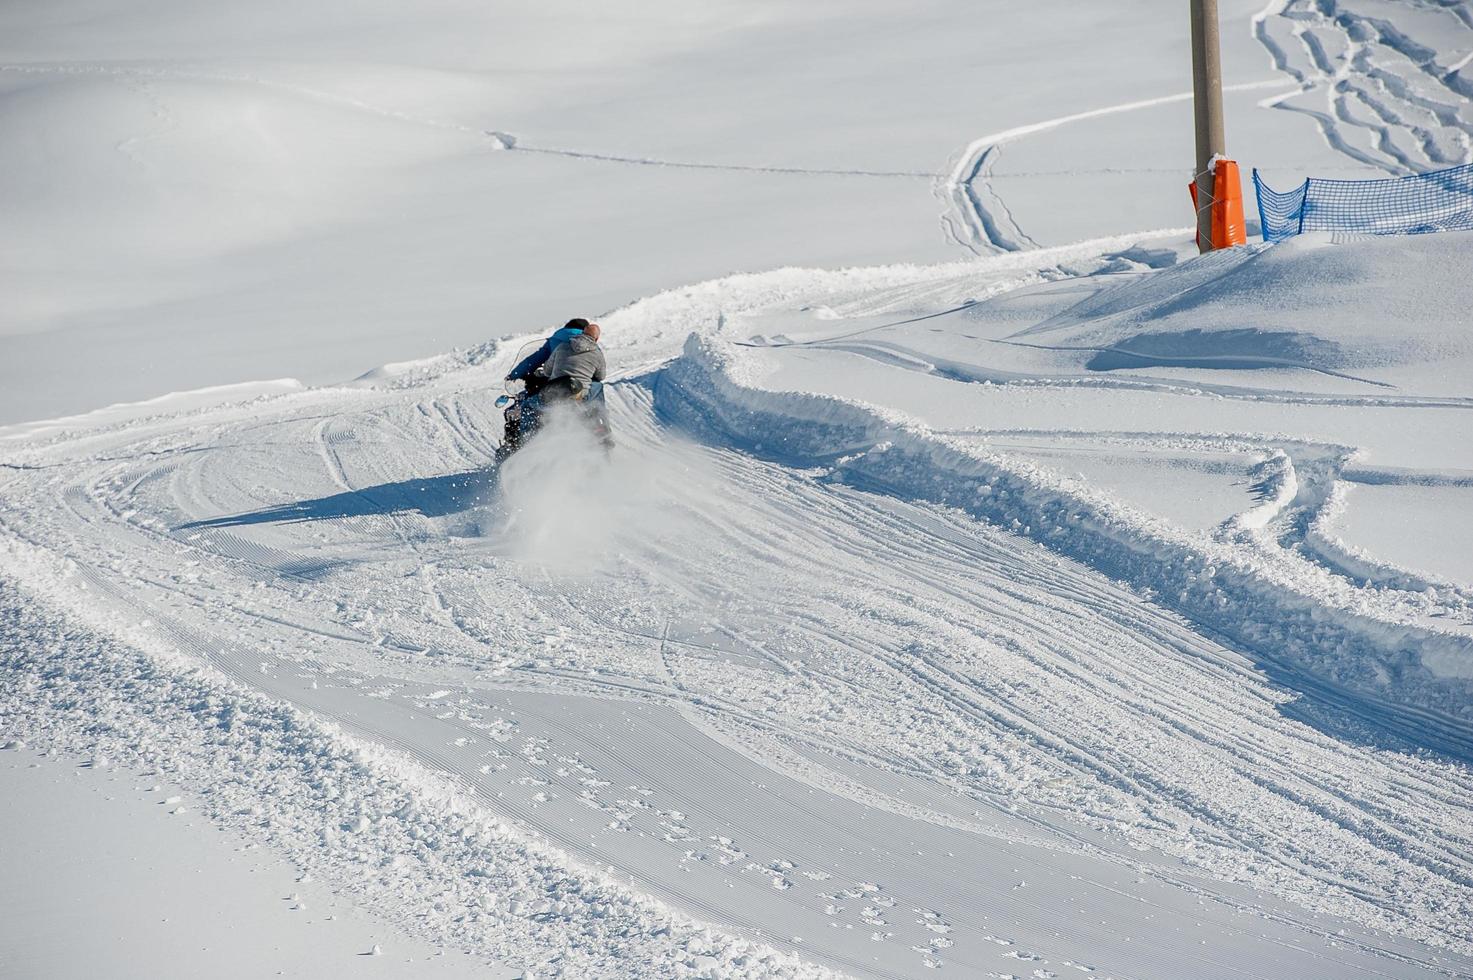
(1366, 307)
(1306, 626)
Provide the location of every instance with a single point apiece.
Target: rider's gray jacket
(579, 360)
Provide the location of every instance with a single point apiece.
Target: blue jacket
(538, 357)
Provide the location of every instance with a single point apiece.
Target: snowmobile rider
(526, 370)
(575, 367)
(568, 367)
(575, 377)
(524, 413)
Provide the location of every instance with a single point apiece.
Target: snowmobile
(525, 407)
(513, 405)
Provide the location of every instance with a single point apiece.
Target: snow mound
(1339, 306)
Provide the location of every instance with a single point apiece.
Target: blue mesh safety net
(1438, 201)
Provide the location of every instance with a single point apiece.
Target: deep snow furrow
(1330, 807)
(986, 223)
(1236, 748)
(1138, 681)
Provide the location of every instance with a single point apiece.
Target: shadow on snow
(434, 496)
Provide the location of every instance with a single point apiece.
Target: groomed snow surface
(1037, 604)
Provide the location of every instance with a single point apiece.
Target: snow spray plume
(568, 505)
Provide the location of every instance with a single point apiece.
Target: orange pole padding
(1228, 226)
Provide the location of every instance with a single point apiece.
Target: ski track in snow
(1377, 95)
(1387, 103)
(767, 683)
(139, 74)
(976, 217)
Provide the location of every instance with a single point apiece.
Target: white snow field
(180, 899)
(991, 587)
(199, 194)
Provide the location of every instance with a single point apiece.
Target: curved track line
(1409, 122)
(981, 228)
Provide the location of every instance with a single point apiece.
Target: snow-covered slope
(791, 660)
(1010, 608)
(197, 194)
